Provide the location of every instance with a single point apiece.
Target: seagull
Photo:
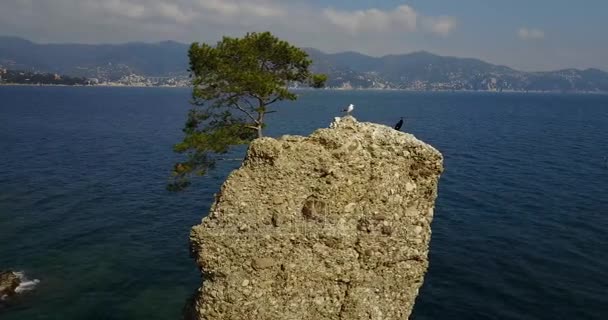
(349, 109)
(399, 124)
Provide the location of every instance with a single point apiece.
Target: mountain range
(413, 71)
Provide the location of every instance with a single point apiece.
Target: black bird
(399, 124)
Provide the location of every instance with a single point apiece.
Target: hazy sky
(524, 34)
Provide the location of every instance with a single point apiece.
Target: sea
(520, 228)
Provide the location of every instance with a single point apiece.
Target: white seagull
(349, 109)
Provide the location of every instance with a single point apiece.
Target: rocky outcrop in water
(331, 226)
(9, 282)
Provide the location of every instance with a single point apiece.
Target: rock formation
(9, 282)
(331, 226)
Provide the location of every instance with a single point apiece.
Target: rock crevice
(331, 226)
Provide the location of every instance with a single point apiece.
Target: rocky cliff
(9, 281)
(331, 226)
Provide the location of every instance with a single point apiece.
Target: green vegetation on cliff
(235, 83)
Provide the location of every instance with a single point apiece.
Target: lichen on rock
(331, 226)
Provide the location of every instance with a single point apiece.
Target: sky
(531, 35)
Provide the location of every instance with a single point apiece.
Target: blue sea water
(520, 229)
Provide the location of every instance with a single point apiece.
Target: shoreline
(324, 89)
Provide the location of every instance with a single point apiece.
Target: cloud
(401, 19)
(370, 30)
(232, 8)
(530, 33)
(442, 25)
(179, 11)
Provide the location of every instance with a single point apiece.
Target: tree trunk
(261, 113)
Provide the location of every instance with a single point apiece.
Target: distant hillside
(95, 61)
(413, 71)
(426, 71)
(31, 78)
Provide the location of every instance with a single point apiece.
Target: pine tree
(235, 83)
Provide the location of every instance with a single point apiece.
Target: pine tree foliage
(235, 84)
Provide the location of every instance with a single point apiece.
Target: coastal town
(11, 77)
(494, 80)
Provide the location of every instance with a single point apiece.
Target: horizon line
(304, 48)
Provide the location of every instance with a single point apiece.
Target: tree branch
(274, 100)
(248, 103)
(236, 104)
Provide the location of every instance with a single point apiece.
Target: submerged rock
(331, 226)
(13, 283)
(9, 282)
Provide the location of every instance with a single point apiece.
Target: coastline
(324, 89)
(84, 86)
